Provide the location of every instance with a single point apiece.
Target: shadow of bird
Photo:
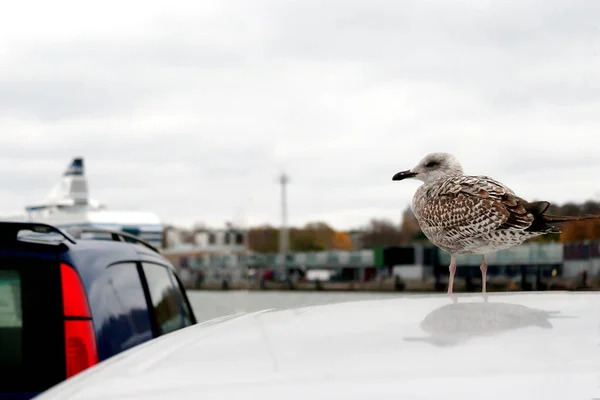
(456, 323)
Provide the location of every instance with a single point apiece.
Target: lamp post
(284, 233)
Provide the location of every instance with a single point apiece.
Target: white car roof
(543, 345)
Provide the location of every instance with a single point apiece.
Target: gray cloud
(192, 110)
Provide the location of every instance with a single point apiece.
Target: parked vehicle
(71, 299)
(538, 345)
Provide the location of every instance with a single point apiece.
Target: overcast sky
(190, 109)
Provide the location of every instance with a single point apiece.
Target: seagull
(473, 214)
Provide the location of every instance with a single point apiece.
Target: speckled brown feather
(472, 214)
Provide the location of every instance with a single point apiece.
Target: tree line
(319, 236)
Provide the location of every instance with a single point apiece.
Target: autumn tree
(305, 240)
(342, 241)
(381, 232)
(576, 231)
(410, 229)
(263, 239)
(323, 233)
(315, 236)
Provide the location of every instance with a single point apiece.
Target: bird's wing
(471, 205)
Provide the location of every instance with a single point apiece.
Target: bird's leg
(483, 268)
(452, 269)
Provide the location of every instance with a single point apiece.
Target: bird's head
(433, 167)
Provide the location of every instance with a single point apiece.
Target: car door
(170, 308)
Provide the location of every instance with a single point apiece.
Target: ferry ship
(68, 204)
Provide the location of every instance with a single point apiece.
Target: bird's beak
(404, 175)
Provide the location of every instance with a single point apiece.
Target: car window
(165, 298)
(32, 343)
(11, 319)
(185, 306)
(119, 307)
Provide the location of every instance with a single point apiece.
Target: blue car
(71, 299)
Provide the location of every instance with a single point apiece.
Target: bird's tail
(559, 218)
(542, 221)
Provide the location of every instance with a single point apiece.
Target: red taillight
(80, 346)
(74, 300)
(80, 339)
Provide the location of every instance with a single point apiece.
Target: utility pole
(284, 240)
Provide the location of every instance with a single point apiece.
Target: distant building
(205, 239)
(208, 255)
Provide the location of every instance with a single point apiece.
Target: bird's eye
(431, 164)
